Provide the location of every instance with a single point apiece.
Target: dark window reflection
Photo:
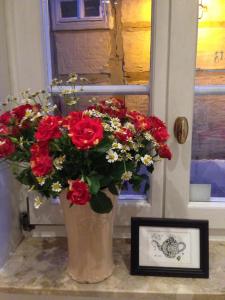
(69, 9)
(92, 8)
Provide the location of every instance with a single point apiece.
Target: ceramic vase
(89, 236)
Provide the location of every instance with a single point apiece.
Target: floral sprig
(84, 152)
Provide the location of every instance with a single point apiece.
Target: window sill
(38, 268)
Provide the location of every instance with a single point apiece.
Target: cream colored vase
(89, 238)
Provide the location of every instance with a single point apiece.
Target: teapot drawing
(170, 247)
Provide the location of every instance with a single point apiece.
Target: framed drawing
(169, 247)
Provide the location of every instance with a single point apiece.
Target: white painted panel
(24, 34)
(183, 41)
(10, 233)
(4, 67)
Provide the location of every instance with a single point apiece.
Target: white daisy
(58, 162)
(125, 148)
(148, 136)
(56, 187)
(41, 180)
(111, 156)
(130, 126)
(115, 123)
(116, 145)
(129, 156)
(107, 127)
(38, 202)
(126, 175)
(29, 113)
(147, 160)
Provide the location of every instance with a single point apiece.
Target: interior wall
(10, 233)
(4, 68)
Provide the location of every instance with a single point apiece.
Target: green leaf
(14, 140)
(94, 184)
(101, 203)
(103, 147)
(112, 188)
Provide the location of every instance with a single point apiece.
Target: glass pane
(69, 9)
(118, 54)
(208, 144)
(92, 8)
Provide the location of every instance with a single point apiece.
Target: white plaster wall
(4, 68)
(10, 233)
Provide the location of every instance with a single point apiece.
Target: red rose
(48, 129)
(164, 152)
(158, 129)
(39, 149)
(161, 134)
(124, 134)
(72, 119)
(140, 121)
(156, 122)
(41, 165)
(86, 133)
(78, 192)
(20, 111)
(4, 130)
(5, 118)
(6, 147)
(142, 125)
(136, 116)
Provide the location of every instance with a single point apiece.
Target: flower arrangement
(84, 152)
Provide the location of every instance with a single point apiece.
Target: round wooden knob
(181, 129)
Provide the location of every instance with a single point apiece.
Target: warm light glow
(211, 35)
(145, 11)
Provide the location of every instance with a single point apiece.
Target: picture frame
(170, 247)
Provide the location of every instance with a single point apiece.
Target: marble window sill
(38, 267)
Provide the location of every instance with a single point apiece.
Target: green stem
(124, 164)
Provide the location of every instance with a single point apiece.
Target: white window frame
(183, 28)
(81, 22)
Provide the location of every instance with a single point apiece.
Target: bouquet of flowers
(85, 152)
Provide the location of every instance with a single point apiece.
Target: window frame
(183, 28)
(81, 22)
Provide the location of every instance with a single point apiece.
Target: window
(172, 65)
(208, 158)
(79, 14)
(114, 65)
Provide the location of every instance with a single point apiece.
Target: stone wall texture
(117, 55)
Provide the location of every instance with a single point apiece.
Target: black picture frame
(201, 272)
